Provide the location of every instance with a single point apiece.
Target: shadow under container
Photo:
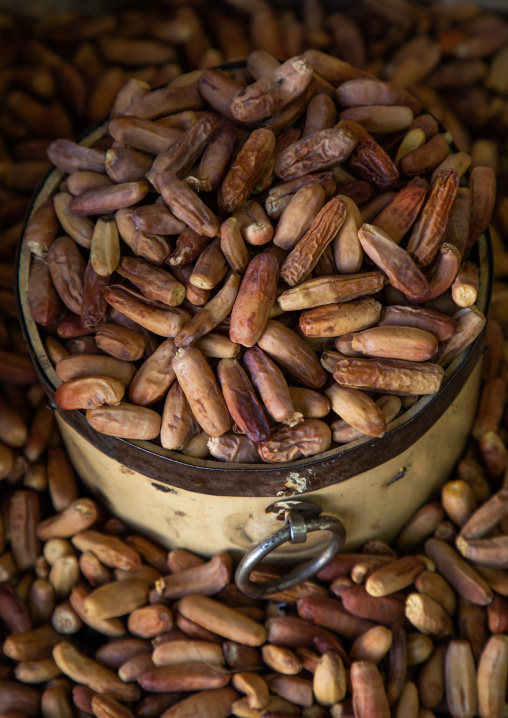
(372, 485)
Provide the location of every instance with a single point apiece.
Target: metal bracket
(294, 513)
(282, 508)
(301, 518)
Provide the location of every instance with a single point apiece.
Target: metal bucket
(372, 485)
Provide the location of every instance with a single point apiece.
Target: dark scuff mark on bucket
(163, 488)
(235, 528)
(399, 475)
(125, 470)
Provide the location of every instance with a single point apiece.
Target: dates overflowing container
(295, 196)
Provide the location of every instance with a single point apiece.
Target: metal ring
(298, 574)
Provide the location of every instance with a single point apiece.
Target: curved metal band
(299, 573)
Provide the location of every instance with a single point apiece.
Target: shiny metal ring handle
(295, 531)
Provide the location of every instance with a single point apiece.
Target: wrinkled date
(270, 94)
(282, 262)
(67, 269)
(304, 257)
(288, 443)
(247, 168)
(317, 152)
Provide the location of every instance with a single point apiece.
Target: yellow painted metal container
(372, 485)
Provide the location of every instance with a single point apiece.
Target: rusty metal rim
(219, 478)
